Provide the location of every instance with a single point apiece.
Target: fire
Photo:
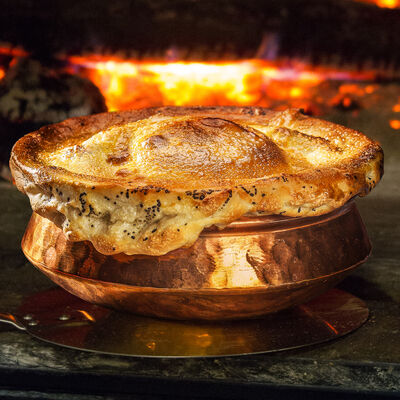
(128, 84)
(383, 3)
(388, 3)
(134, 84)
(394, 124)
(131, 83)
(13, 51)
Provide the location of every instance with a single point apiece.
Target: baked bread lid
(149, 181)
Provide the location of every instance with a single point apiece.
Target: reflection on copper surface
(253, 267)
(331, 327)
(86, 315)
(308, 312)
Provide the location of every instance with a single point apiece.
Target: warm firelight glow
(396, 108)
(394, 124)
(388, 3)
(128, 84)
(2, 73)
(383, 3)
(370, 89)
(346, 102)
(13, 51)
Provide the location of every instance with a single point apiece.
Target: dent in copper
(253, 267)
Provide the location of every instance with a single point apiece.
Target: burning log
(32, 95)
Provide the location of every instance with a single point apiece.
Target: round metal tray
(63, 319)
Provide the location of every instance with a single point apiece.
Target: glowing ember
(395, 124)
(2, 73)
(13, 52)
(346, 102)
(370, 89)
(396, 108)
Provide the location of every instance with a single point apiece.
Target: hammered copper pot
(253, 267)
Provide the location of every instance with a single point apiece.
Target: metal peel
(60, 318)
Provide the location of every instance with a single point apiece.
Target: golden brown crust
(148, 181)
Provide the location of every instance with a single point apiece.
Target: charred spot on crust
(250, 192)
(198, 194)
(83, 201)
(156, 142)
(118, 158)
(91, 211)
(215, 122)
(227, 199)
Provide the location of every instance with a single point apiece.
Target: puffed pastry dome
(149, 181)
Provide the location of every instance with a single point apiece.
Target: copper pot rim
(276, 222)
(200, 291)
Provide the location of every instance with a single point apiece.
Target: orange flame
(383, 3)
(129, 84)
(388, 3)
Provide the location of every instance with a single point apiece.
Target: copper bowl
(253, 267)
